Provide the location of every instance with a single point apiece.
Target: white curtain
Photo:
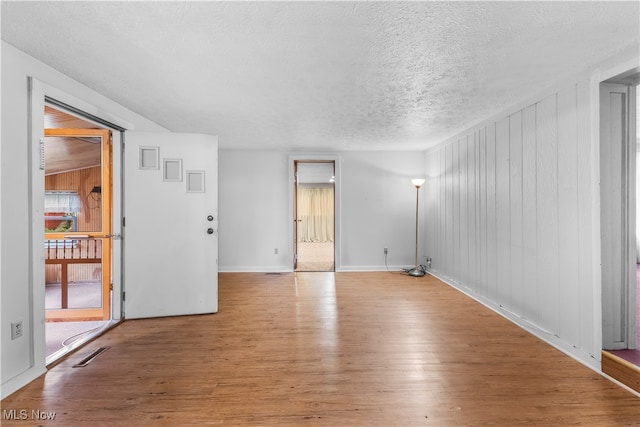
(316, 214)
(67, 202)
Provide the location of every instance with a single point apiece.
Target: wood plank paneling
(482, 223)
(88, 219)
(455, 208)
(528, 212)
(530, 300)
(449, 215)
(516, 233)
(440, 262)
(587, 334)
(547, 214)
(64, 154)
(567, 215)
(463, 226)
(492, 246)
(81, 181)
(472, 217)
(503, 216)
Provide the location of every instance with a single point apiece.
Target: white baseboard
(16, 383)
(254, 269)
(591, 361)
(370, 268)
(283, 269)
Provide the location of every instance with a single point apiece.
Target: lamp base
(416, 272)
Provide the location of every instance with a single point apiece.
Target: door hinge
(123, 222)
(124, 295)
(41, 154)
(110, 286)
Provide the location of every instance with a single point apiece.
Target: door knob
(209, 230)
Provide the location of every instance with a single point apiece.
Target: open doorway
(77, 222)
(314, 215)
(632, 353)
(620, 226)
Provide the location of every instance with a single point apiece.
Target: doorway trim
(619, 286)
(102, 234)
(41, 94)
(293, 158)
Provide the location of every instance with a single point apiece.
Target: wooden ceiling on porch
(65, 154)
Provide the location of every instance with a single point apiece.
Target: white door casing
(617, 186)
(170, 233)
(337, 205)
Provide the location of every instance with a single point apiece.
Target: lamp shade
(418, 182)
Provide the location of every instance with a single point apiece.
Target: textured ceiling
(320, 75)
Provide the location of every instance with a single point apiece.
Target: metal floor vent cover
(90, 358)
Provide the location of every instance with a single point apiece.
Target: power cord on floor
(70, 340)
(421, 267)
(404, 270)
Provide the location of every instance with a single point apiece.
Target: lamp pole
(416, 271)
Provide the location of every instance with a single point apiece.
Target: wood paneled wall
(82, 181)
(510, 219)
(89, 218)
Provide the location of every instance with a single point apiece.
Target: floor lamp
(417, 271)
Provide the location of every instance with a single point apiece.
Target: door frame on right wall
(300, 158)
(618, 208)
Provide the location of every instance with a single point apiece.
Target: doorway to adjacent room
(620, 226)
(76, 157)
(314, 215)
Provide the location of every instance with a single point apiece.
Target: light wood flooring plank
(324, 349)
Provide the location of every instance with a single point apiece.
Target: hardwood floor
(350, 349)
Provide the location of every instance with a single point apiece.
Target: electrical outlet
(16, 330)
(386, 251)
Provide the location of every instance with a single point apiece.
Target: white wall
(513, 216)
(252, 206)
(19, 365)
(377, 209)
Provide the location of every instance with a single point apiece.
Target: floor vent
(90, 358)
(273, 274)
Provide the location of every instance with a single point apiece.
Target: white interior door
(170, 235)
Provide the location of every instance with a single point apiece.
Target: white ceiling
(320, 75)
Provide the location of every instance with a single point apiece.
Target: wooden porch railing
(67, 252)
